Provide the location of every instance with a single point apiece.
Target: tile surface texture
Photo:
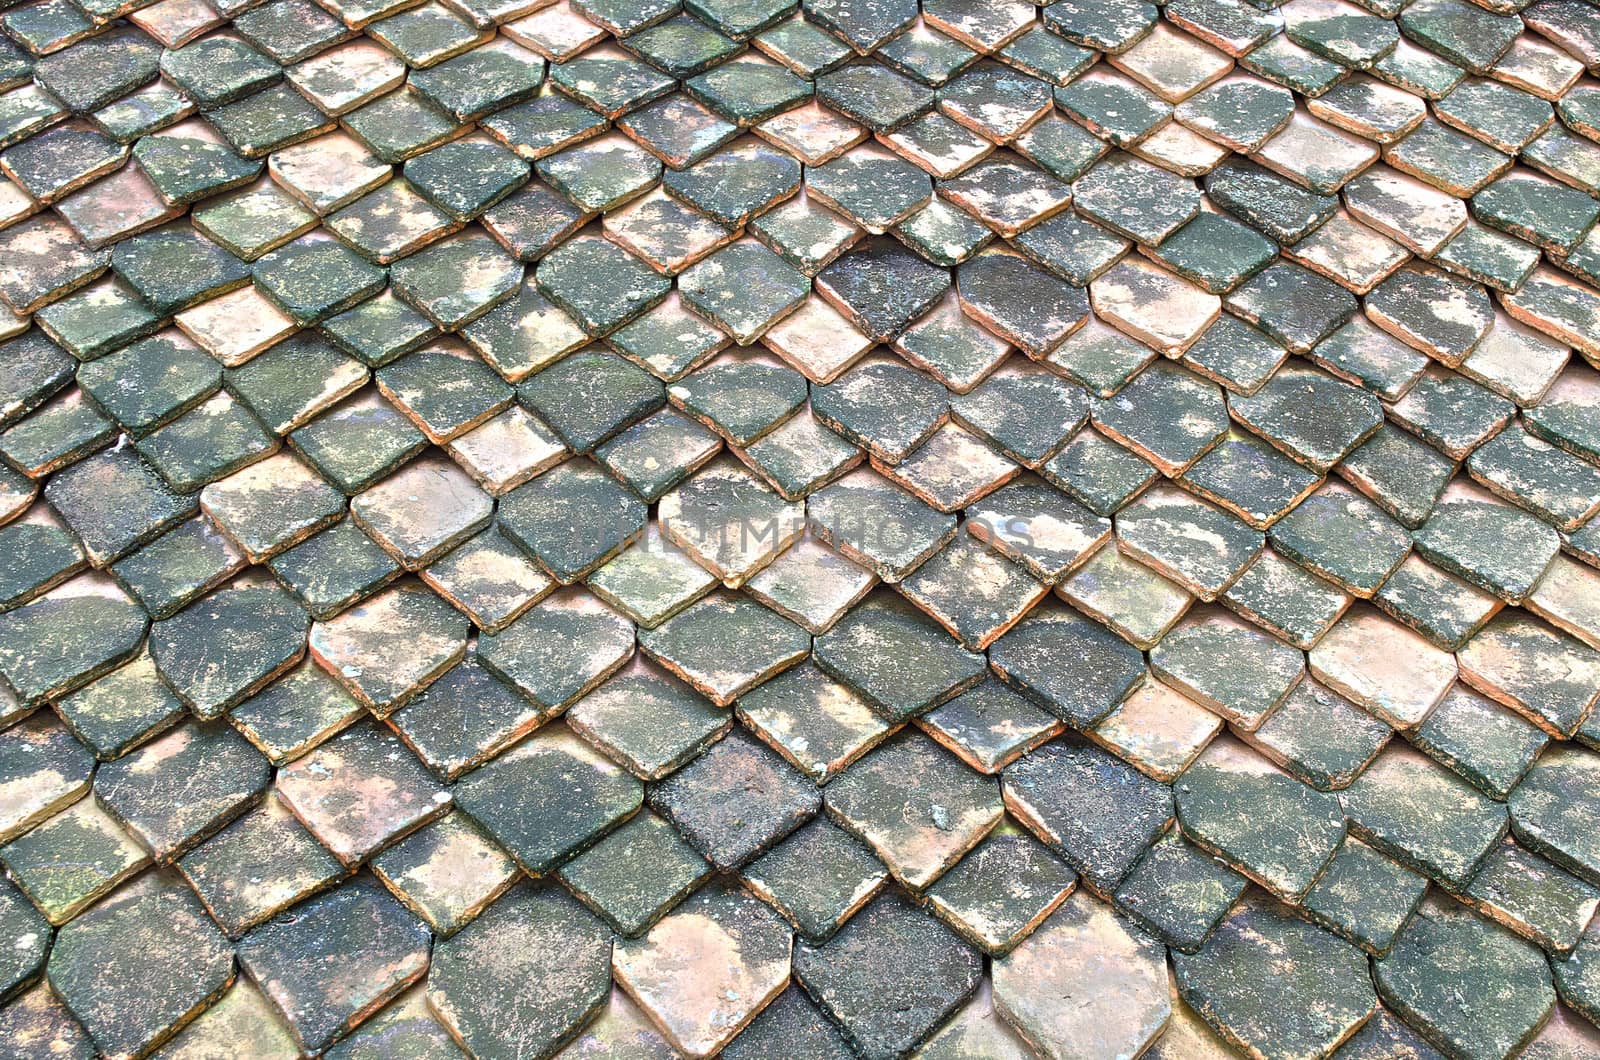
(800, 529)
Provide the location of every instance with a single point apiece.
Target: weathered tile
(991, 287)
(297, 712)
(1574, 976)
(651, 580)
(736, 184)
(1448, 942)
(73, 859)
(444, 390)
(216, 439)
(1539, 672)
(258, 866)
(54, 768)
(725, 645)
(1112, 29)
(531, 652)
(678, 130)
(996, 915)
(227, 646)
(360, 791)
(881, 287)
(122, 709)
(1229, 984)
(422, 511)
(507, 451)
(976, 1029)
(1467, 535)
(553, 517)
(389, 647)
(974, 593)
(1424, 816)
(1179, 892)
(817, 340)
(138, 966)
(668, 341)
(348, 76)
(582, 275)
(464, 719)
(820, 725)
(1541, 477)
(1098, 473)
(66, 638)
(1128, 1012)
(665, 232)
(1186, 539)
(1043, 789)
(873, 802)
(378, 947)
(1105, 668)
(1282, 210)
(243, 1018)
(635, 875)
(1320, 737)
(1544, 806)
(866, 649)
(1138, 604)
(811, 584)
(741, 397)
(1240, 112)
(882, 406)
(744, 289)
(1283, 841)
(1533, 898)
(37, 1018)
(736, 800)
(851, 514)
(477, 978)
(648, 720)
(888, 1014)
(447, 873)
(989, 726)
(818, 878)
(722, 937)
(505, 798)
(804, 234)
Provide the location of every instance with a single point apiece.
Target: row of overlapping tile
(974, 531)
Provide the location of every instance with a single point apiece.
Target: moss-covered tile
(313, 279)
(1041, 788)
(175, 569)
(257, 866)
(295, 713)
(989, 726)
(74, 858)
(1179, 892)
(68, 637)
(736, 800)
(590, 395)
(157, 917)
(384, 950)
(1408, 979)
(1227, 984)
(533, 934)
(583, 276)
(817, 878)
(652, 579)
(637, 874)
(874, 95)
